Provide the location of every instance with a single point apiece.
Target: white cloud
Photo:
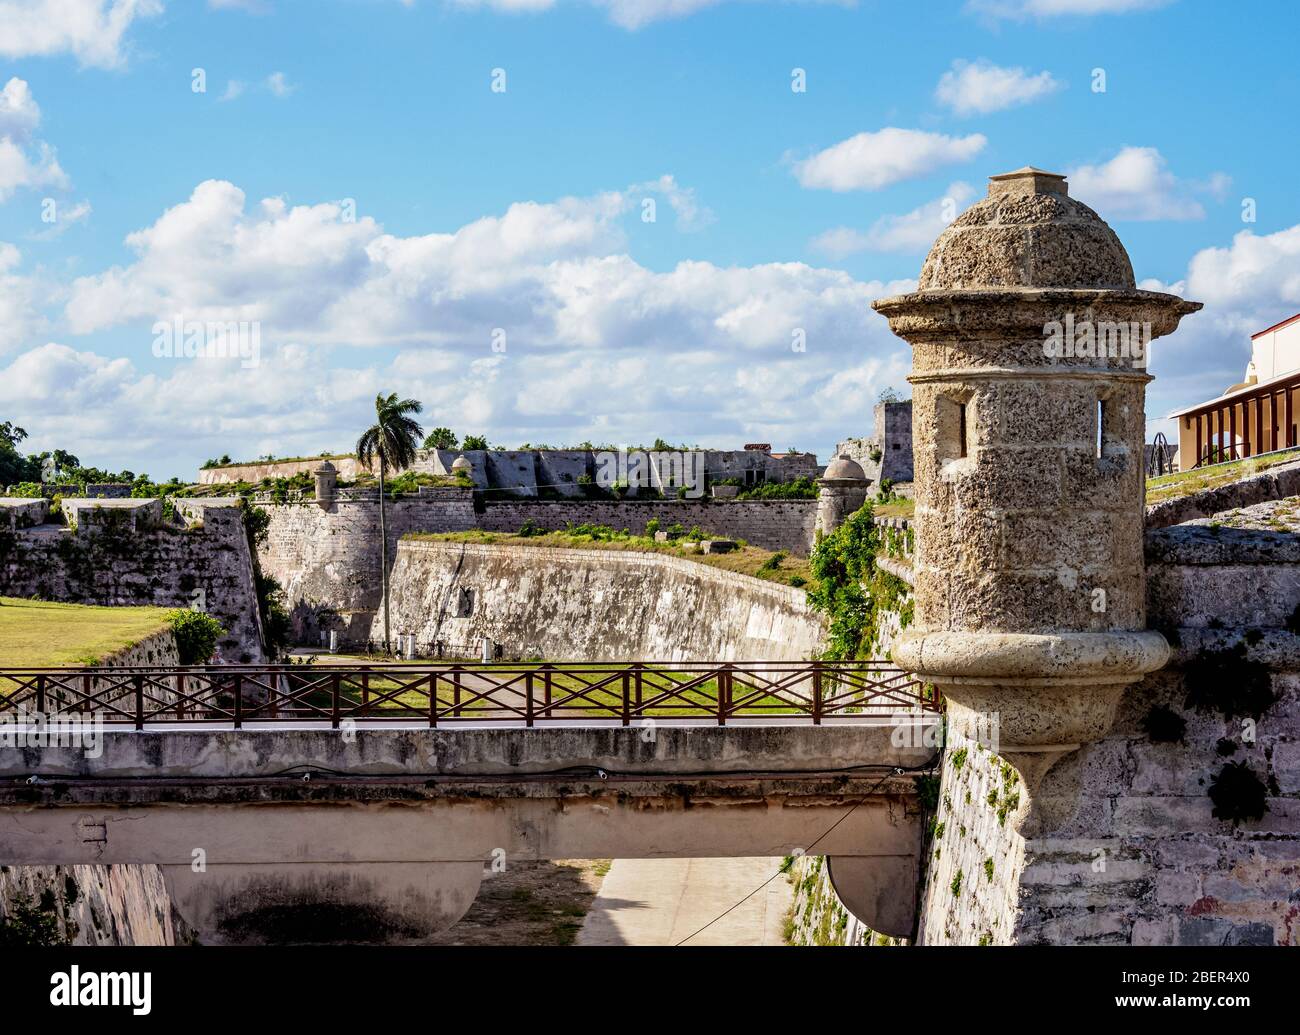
(279, 85)
(19, 112)
(870, 161)
(1246, 286)
(1043, 9)
(691, 215)
(699, 349)
(981, 87)
(911, 232)
(505, 6)
(21, 296)
(634, 14)
(627, 14)
(1136, 184)
(234, 89)
(65, 218)
(24, 161)
(92, 30)
(1254, 272)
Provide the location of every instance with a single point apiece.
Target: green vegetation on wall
(853, 591)
(196, 635)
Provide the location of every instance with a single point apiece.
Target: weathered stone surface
(109, 560)
(594, 604)
(327, 559)
(1275, 484)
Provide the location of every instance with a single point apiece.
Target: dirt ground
(530, 903)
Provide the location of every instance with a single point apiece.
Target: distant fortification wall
(771, 524)
(595, 604)
(347, 467)
(105, 560)
(327, 558)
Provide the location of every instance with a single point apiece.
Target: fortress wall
(1125, 846)
(347, 467)
(327, 560)
(105, 561)
(596, 605)
(100, 905)
(771, 524)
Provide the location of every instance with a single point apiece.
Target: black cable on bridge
(894, 771)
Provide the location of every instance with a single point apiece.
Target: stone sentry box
(1030, 591)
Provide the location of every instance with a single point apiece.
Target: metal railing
(446, 693)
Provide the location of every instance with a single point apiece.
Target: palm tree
(392, 440)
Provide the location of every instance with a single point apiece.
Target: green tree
(390, 441)
(14, 467)
(475, 442)
(441, 438)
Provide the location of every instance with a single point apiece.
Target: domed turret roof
(844, 468)
(1028, 233)
(326, 468)
(461, 464)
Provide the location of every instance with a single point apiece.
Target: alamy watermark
(20, 728)
(179, 338)
(1101, 339)
(674, 472)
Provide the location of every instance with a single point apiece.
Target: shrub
(257, 522)
(772, 563)
(799, 489)
(196, 634)
(1238, 794)
(275, 616)
(30, 926)
(651, 527)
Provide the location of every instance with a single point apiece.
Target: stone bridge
(358, 829)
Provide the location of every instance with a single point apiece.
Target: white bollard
(487, 650)
(334, 641)
(410, 646)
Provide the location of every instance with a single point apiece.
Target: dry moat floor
(530, 903)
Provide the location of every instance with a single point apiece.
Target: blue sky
(521, 210)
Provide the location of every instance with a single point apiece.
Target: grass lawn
(769, 565)
(1184, 483)
(39, 633)
(896, 508)
(605, 702)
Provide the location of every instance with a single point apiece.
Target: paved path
(662, 901)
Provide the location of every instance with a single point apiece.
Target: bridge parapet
(292, 824)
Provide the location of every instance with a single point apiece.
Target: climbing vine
(853, 591)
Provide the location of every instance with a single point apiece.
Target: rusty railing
(434, 694)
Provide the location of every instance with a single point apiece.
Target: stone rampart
(564, 604)
(327, 559)
(107, 560)
(347, 467)
(771, 524)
